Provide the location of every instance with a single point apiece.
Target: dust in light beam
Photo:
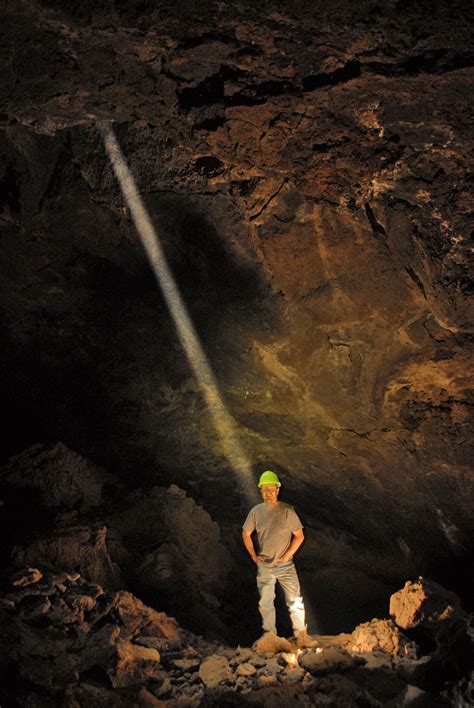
(224, 423)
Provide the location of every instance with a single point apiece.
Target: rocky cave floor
(70, 640)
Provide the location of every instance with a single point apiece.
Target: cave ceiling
(309, 170)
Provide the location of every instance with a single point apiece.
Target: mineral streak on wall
(223, 422)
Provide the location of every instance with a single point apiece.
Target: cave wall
(308, 172)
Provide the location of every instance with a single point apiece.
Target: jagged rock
(187, 664)
(137, 618)
(80, 548)
(65, 635)
(214, 671)
(424, 603)
(461, 693)
(134, 664)
(79, 633)
(187, 550)
(147, 699)
(246, 670)
(383, 635)
(90, 694)
(294, 674)
(26, 577)
(328, 661)
(61, 477)
(164, 689)
(267, 680)
(270, 643)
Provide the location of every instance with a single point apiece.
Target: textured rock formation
(74, 643)
(307, 168)
(61, 478)
(384, 635)
(173, 553)
(77, 548)
(424, 604)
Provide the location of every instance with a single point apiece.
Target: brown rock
(187, 664)
(292, 675)
(89, 694)
(329, 661)
(61, 477)
(137, 617)
(215, 670)
(424, 603)
(26, 577)
(134, 664)
(80, 548)
(187, 549)
(147, 699)
(267, 680)
(246, 669)
(383, 635)
(270, 643)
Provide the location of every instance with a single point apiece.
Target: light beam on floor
(224, 423)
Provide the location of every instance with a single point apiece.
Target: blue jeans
(285, 574)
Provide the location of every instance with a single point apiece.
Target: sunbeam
(224, 423)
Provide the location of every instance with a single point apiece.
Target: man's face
(269, 493)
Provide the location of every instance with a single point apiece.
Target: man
(279, 535)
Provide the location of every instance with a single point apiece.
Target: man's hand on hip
(285, 558)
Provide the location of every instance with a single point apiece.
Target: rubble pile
(68, 642)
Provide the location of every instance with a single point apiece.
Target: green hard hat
(269, 477)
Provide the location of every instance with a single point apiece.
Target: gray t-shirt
(275, 527)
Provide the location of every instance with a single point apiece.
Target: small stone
(187, 664)
(292, 675)
(28, 576)
(257, 661)
(146, 699)
(73, 577)
(246, 670)
(214, 670)
(244, 654)
(270, 680)
(328, 661)
(157, 643)
(164, 690)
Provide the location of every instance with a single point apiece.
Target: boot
(305, 641)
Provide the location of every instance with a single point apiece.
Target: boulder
(383, 635)
(183, 550)
(78, 548)
(424, 603)
(270, 643)
(138, 619)
(330, 660)
(133, 664)
(186, 543)
(61, 477)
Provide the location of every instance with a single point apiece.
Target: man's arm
(296, 541)
(248, 543)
